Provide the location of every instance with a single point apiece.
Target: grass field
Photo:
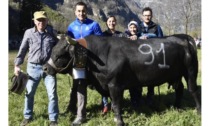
(162, 115)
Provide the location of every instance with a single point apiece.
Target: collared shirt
(38, 44)
(78, 29)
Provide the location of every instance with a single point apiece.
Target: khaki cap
(39, 14)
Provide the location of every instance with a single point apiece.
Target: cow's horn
(69, 40)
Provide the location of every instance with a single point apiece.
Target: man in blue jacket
(78, 29)
(83, 26)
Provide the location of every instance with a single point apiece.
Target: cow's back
(152, 61)
(156, 61)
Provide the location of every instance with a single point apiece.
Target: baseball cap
(39, 14)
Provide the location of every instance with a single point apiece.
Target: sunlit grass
(164, 114)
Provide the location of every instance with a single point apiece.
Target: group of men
(40, 40)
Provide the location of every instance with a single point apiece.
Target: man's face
(41, 23)
(147, 16)
(80, 12)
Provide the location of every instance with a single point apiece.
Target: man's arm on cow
(133, 37)
(148, 35)
(160, 32)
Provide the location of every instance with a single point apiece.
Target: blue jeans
(35, 75)
(105, 101)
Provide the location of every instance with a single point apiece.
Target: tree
(174, 16)
(28, 7)
(186, 12)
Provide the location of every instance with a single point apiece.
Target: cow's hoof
(119, 123)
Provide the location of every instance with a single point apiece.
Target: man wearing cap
(39, 41)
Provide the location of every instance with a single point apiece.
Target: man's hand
(17, 70)
(133, 37)
(143, 37)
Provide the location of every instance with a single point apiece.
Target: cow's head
(62, 57)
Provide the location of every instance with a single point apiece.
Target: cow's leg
(179, 94)
(116, 95)
(136, 96)
(191, 78)
(197, 101)
(150, 94)
(193, 89)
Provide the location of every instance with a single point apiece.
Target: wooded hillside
(183, 16)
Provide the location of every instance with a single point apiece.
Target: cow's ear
(70, 40)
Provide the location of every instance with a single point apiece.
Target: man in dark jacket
(149, 29)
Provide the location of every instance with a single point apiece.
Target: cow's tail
(193, 52)
(192, 71)
(191, 63)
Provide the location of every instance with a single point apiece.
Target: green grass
(163, 114)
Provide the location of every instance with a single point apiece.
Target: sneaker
(105, 110)
(25, 122)
(53, 123)
(78, 121)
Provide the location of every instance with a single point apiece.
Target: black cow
(115, 64)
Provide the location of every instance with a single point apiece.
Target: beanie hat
(133, 22)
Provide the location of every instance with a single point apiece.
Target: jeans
(36, 73)
(104, 101)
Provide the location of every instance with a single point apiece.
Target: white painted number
(150, 52)
(147, 53)
(164, 57)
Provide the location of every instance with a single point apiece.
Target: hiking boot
(105, 110)
(78, 121)
(25, 122)
(53, 123)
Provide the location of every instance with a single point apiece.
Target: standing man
(149, 29)
(78, 29)
(39, 41)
